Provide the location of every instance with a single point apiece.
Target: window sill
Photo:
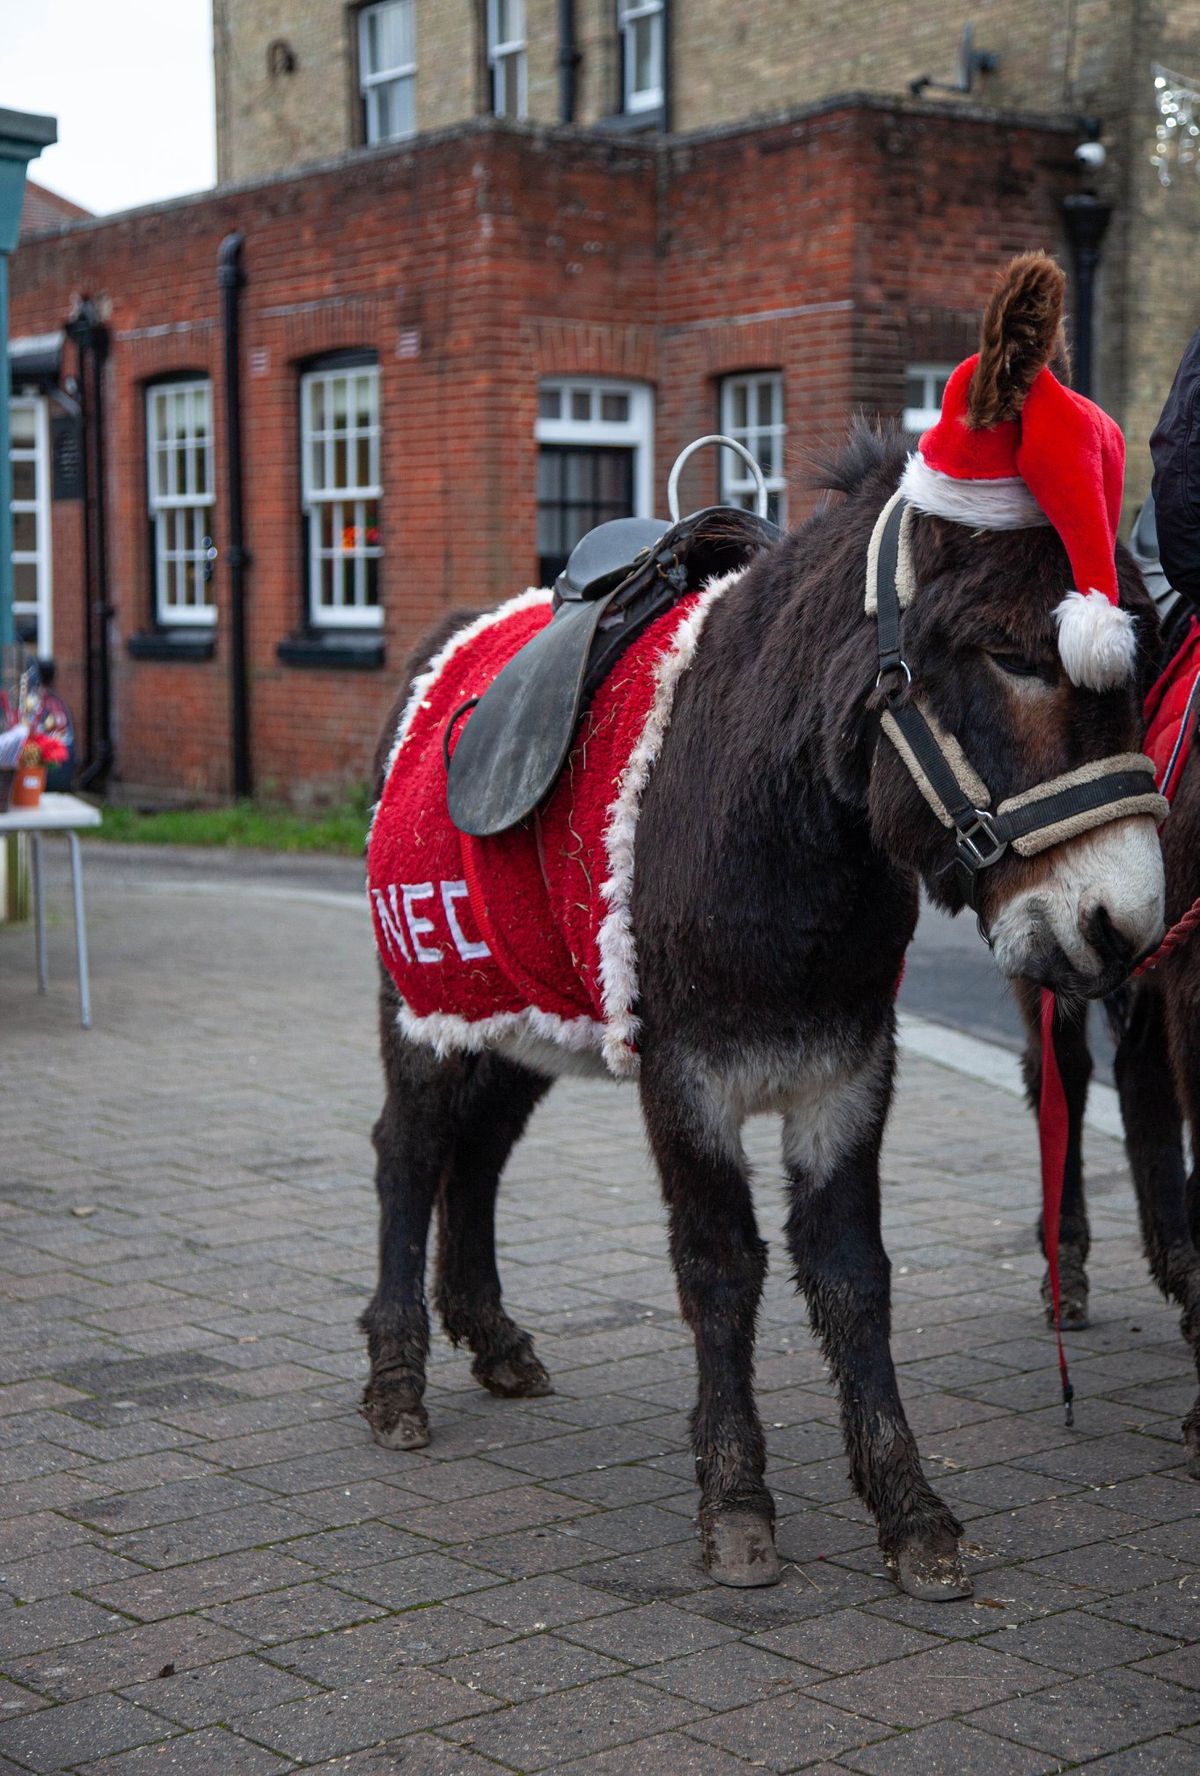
(629, 123)
(345, 649)
(173, 644)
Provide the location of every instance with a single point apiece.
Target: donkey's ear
(1022, 331)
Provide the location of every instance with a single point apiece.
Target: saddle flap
(518, 735)
(602, 559)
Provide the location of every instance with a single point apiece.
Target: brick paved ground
(205, 1565)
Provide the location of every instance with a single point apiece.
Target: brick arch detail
(591, 348)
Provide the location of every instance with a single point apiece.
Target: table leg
(85, 993)
(39, 908)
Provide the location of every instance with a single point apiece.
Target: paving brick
(54, 1738)
(1078, 1642)
(535, 1666)
(1093, 1715)
(209, 1694)
(949, 1749)
(194, 1754)
(373, 1649)
(729, 1676)
(277, 1616)
(153, 1595)
(329, 1725)
(674, 1752)
(788, 1731)
(931, 1686)
(847, 1640)
(555, 1729)
(128, 1656)
(649, 1634)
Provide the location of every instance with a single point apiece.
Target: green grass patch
(259, 826)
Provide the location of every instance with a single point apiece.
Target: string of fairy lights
(1177, 131)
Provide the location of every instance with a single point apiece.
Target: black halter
(1110, 789)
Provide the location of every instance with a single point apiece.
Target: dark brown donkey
(780, 849)
(1156, 1025)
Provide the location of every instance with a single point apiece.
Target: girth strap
(1092, 795)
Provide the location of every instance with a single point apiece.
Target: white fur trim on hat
(1005, 504)
(1096, 639)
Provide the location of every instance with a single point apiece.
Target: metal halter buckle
(895, 685)
(973, 854)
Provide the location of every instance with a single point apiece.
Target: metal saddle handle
(730, 444)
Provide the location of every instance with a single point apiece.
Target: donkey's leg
(495, 1108)
(720, 1263)
(1153, 1134)
(831, 1150)
(1075, 1070)
(414, 1144)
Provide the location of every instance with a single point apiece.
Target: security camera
(1091, 155)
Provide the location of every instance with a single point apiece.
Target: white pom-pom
(1096, 640)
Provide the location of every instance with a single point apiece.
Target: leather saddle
(619, 578)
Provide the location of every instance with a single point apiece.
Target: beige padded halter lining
(971, 784)
(1148, 802)
(906, 585)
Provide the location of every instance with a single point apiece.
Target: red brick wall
(837, 247)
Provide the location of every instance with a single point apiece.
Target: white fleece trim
(1097, 640)
(1004, 504)
(618, 948)
(425, 681)
(447, 1033)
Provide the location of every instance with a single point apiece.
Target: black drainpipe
(91, 340)
(568, 61)
(1086, 219)
(230, 278)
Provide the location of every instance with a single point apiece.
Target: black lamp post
(1086, 218)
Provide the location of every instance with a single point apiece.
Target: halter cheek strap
(1095, 794)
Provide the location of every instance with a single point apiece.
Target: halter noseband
(1097, 793)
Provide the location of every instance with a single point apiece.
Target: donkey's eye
(1017, 666)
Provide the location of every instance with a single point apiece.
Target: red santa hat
(1014, 448)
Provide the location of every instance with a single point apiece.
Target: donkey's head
(1028, 637)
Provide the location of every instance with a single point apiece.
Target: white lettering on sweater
(405, 932)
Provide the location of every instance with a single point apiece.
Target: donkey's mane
(874, 451)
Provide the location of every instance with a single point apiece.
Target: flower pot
(28, 787)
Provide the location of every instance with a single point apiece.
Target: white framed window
(506, 57)
(642, 53)
(752, 412)
(339, 445)
(924, 386)
(179, 466)
(29, 442)
(387, 69)
(595, 461)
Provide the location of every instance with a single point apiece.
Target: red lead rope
(1053, 1134)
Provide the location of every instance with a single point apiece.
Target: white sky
(131, 84)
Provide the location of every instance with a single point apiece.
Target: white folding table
(65, 814)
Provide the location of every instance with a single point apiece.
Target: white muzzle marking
(1117, 868)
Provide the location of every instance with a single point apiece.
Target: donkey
(780, 848)
(1155, 1022)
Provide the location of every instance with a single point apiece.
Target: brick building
(458, 346)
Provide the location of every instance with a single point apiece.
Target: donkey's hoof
(519, 1377)
(930, 1573)
(1191, 1442)
(1073, 1299)
(394, 1426)
(739, 1549)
